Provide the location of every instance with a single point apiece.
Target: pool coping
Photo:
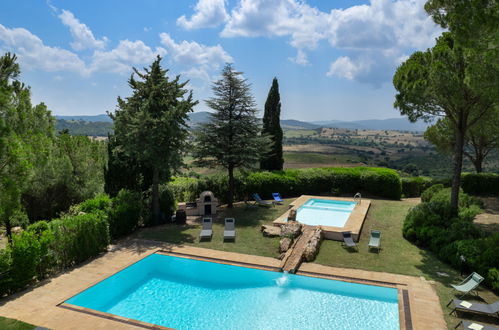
(354, 223)
(42, 305)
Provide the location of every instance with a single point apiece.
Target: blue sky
(334, 59)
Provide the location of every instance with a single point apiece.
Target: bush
(493, 278)
(414, 186)
(292, 182)
(465, 200)
(167, 203)
(5, 269)
(427, 195)
(124, 214)
(79, 237)
(101, 202)
(25, 253)
(480, 183)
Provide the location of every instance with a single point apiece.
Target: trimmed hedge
(431, 225)
(414, 186)
(380, 182)
(480, 183)
(125, 213)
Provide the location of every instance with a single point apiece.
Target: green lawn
(397, 256)
(11, 324)
(318, 158)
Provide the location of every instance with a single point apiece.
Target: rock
(16, 230)
(313, 246)
(285, 244)
(271, 231)
(291, 229)
(292, 215)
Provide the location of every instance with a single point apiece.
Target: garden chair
(277, 198)
(375, 240)
(468, 325)
(348, 240)
(230, 229)
(206, 231)
(260, 201)
(478, 308)
(469, 284)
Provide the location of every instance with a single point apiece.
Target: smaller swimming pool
(325, 212)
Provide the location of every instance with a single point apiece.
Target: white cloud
(124, 56)
(385, 29)
(207, 14)
(82, 35)
(193, 53)
(343, 67)
(34, 54)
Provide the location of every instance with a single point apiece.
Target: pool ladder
(357, 198)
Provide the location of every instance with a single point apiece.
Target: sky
(334, 60)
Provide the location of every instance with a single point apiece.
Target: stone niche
(205, 205)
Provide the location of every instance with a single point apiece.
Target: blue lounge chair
(277, 198)
(469, 284)
(260, 201)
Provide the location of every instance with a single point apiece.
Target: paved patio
(39, 305)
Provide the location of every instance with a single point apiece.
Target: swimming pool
(184, 293)
(325, 212)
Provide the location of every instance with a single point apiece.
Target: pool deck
(41, 304)
(354, 223)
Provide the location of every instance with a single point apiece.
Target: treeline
(85, 128)
(41, 173)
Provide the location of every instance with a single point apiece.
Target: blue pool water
(324, 212)
(191, 294)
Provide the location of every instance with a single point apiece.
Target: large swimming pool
(325, 212)
(184, 293)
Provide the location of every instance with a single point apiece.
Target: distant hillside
(296, 124)
(400, 124)
(103, 117)
(197, 118)
(87, 128)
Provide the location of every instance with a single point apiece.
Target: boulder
(292, 215)
(313, 246)
(292, 229)
(271, 231)
(285, 244)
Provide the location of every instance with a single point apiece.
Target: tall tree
(480, 140)
(150, 125)
(25, 136)
(272, 127)
(435, 83)
(231, 139)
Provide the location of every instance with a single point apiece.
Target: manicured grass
(11, 324)
(249, 239)
(318, 158)
(397, 255)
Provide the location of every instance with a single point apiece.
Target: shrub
(101, 202)
(79, 237)
(124, 214)
(465, 200)
(493, 278)
(167, 203)
(414, 186)
(428, 193)
(25, 253)
(480, 183)
(44, 235)
(5, 269)
(292, 182)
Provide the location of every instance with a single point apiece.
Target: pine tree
(150, 126)
(272, 128)
(231, 139)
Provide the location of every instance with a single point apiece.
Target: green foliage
(151, 125)
(101, 202)
(79, 237)
(26, 255)
(480, 183)
(5, 267)
(273, 160)
(125, 213)
(432, 225)
(231, 139)
(414, 186)
(292, 182)
(427, 195)
(166, 201)
(493, 277)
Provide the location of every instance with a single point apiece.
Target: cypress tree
(272, 128)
